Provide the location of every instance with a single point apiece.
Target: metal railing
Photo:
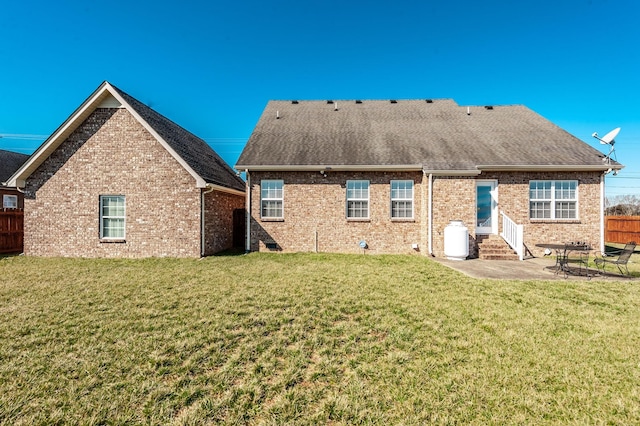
(513, 234)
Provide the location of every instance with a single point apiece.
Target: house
(9, 163)
(390, 176)
(11, 215)
(117, 179)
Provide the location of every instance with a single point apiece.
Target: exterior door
(486, 207)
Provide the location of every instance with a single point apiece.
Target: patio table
(563, 259)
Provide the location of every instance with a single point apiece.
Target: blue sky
(211, 66)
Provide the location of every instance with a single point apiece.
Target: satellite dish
(608, 139)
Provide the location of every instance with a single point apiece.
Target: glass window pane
(271, 193)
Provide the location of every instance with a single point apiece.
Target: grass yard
(310, 339)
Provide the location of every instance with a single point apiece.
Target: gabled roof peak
(191, 152)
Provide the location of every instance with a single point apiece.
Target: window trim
(281, 199)
(6, 197)
(391, 200)
(102, 217)
(553, 201)
(368, 200)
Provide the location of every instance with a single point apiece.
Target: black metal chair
(621, 261)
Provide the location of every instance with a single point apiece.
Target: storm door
(486, 207)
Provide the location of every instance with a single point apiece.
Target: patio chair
(620, 261)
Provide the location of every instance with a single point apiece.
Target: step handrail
(513, 234)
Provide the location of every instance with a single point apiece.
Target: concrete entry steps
(494, 247)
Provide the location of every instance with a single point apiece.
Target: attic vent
(329, 102)
(358, 101)
(393, 101)
(429, 101)
(294, 102)
(488, 107)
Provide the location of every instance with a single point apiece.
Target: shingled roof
(10, 162)
(436, 135)
(195, 151)
(191, 152)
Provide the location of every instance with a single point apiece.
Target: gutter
(547, 167)
(333, 167)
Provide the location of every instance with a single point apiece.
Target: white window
(10, 201)
(272, 199)
(112, 217)
(358, 199)
(553, 199)
(402, 199)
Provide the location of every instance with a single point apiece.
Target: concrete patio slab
(529, 269)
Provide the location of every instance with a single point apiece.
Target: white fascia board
(57, 137)
(550, 168)
(329, 167)
(220, 188)
(200, 182)
(452, 172)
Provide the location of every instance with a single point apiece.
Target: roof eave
(332, 167)
(200, 182)
(549, 167)
(18, 179)
(57, 137)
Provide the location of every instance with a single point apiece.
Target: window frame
(401, 199)
(6, 197)
(553, 201)
(272, 199)
(358, 199)
(103, 217)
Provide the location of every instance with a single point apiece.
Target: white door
(486, 207)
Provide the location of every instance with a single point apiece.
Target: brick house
(327, 176)
(9, 163)
(117, 179)
(11, 214)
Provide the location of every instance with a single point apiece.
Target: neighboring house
(9, 163)
(11, 215)
(326, 176)
(117, 179)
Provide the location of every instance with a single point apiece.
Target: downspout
(247, 244)
(602, 213)
(430, 236)
(427, 210)
(208, 189)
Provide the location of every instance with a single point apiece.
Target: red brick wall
(111, 154)
(219, 207)
(314, 212)
(513, 193)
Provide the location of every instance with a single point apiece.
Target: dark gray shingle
(193, 150)
(9, 163)
(438, 135)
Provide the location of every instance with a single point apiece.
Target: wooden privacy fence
(11, 230)
(622, 229)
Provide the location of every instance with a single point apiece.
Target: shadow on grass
(5, 255)
(236, 251)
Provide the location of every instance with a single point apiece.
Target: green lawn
(310, 339)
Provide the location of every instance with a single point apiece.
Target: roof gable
(191, 152)
(436, 135)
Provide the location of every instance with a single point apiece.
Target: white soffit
(110, 102)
